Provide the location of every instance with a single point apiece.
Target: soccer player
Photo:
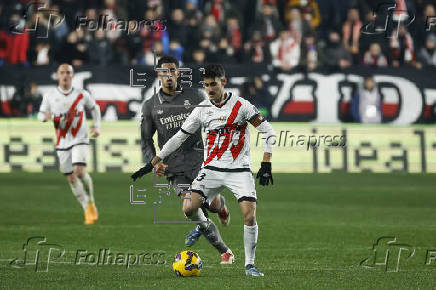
(165, 113)
(66, 106)
(226, 155)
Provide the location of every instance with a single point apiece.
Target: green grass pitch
(315, 229)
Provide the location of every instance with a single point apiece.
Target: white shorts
(78, 154)
(210, 182)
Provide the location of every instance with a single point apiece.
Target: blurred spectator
(285, 51)
(100, 51)
(427, 54)
(34, 99)
(176, 50)
(14, 46)
(351, 34)
(192, 34)
(268, 23)
(42, 51)
(402, 48)
(264, 99)
(256, 50)
(148, 55)
(419, 27)
(198, 57)
(298, 26)
(309, 9)
(176, 27)
(224, 52)
(374, 56)
(71, 51)
(210, 28)
(234, 34)
(335, 55)
(150, 35)
(309, 53)
(217, 9)
(366, 105)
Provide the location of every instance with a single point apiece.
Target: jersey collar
(65, 93)
(163, 97)
(225, 102)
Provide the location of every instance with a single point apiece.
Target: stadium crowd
(288, 34)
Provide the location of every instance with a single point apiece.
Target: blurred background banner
(407, 96)
(28, 146)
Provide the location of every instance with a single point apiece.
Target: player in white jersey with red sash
(66, 107)
(224, 119)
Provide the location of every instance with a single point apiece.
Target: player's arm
(263, 126)
(148, 129)
(94, 109)
(44, 113)
(189, 127)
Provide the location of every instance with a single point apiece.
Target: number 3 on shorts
(201, 177)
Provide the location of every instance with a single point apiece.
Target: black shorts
(180, 183)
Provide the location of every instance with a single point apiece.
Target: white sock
(88, 186)
(250, 243)
(80, 194)
(198, 216)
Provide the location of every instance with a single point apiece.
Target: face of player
(214, 88)
(65, 76)
(169, 78)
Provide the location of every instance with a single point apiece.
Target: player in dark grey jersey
(165, 113)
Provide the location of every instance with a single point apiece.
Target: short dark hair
(214, 71)
(167, 59)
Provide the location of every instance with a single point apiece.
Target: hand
(265, 174)
(95, 132)
(141, 172)
(160, 169)
(47, 116)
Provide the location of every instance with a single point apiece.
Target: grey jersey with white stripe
(165, 114)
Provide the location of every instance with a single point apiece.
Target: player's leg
(181, 184)
(243, 187)
(80, 155)
(192, 209)
(75, 184)
(205, 187)
(218, 206)
(251, 230)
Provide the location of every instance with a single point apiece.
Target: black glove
(265, 174)
(143, 171)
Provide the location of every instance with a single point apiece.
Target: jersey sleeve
(193, 122)
(45, 105)
(249, 110)
(89, 101)
(148, 129)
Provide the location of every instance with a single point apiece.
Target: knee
(72, 179)
(187, 209)
(250, 219)
(79, 171)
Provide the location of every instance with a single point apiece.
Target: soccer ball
(187, 263)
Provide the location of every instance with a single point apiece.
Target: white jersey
(68, 115)
(227, 144)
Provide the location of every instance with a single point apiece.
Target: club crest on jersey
(222, 118)
(186, 103)
(159, 112)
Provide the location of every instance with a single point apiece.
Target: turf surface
(315, 229)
